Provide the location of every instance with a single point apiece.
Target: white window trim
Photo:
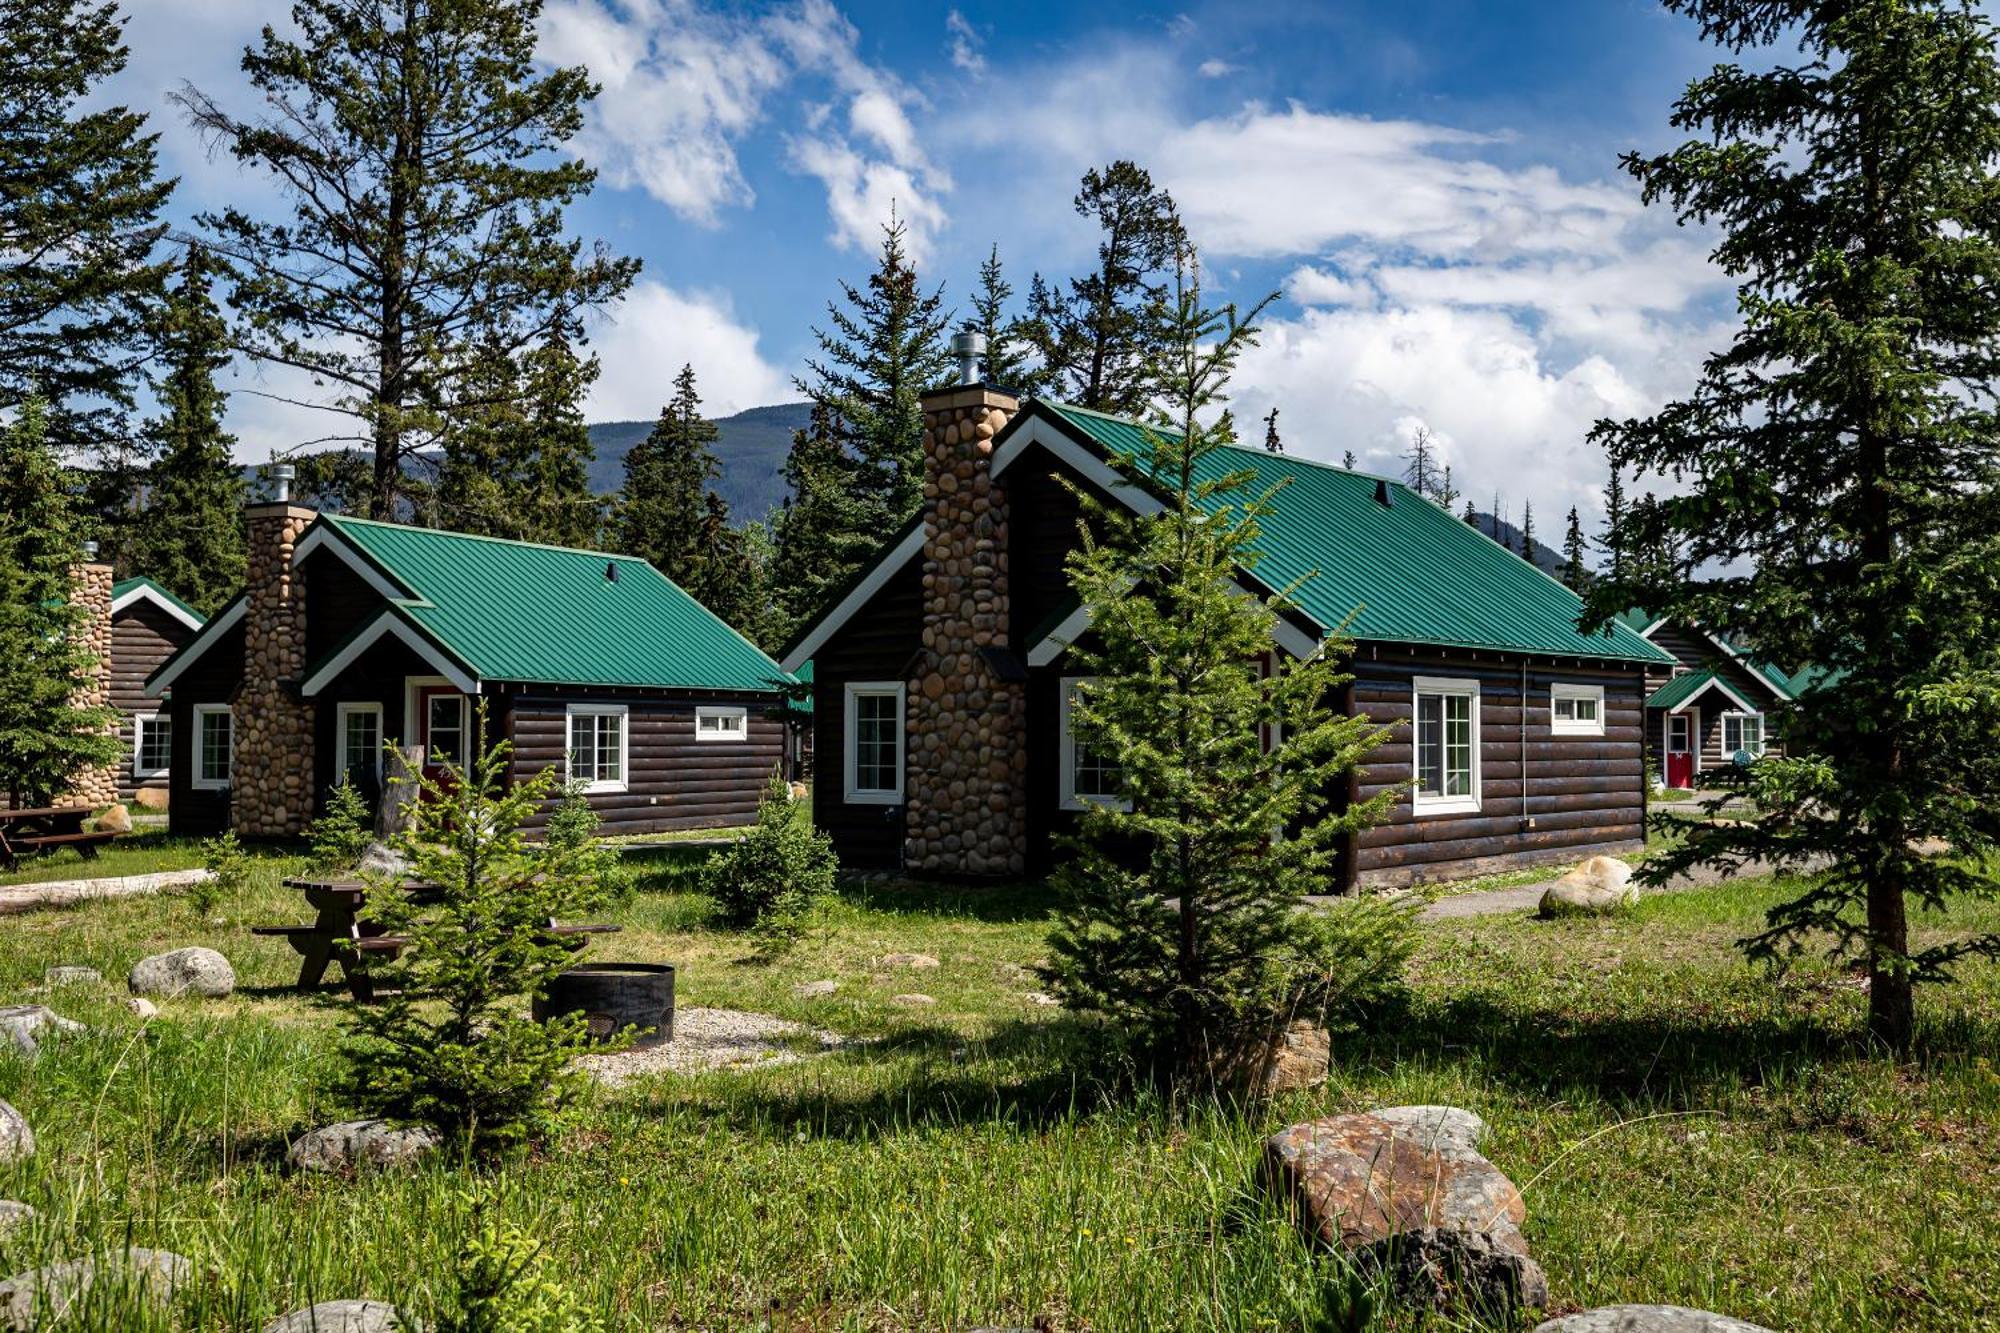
(140, 721)
(621, 711)
(1560, 727)
(341, 712)
(735, 714)
(1421, 804)
(195, 779)
(1070, 799)
(855, 690)
(1723, 720)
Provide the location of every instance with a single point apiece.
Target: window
(444, 729)
(152, 744)
(1446, 732)
(1742, 732)
(214, 746)
(874, 758)
(1088, 778)
(357, 743)
(597, 746)
(721, 724)
(1576, 710)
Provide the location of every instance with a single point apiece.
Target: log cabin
(148, 625)
(352, 633)
(941, 674)
(1716, 703)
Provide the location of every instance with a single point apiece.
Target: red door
(442, 722)
(1680, 750)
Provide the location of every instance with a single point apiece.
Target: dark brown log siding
(1697, 652)
(674, 781)
(879, 642)
(338, 601)
(215, 678)
(142, 637)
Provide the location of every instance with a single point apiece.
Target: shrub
(776, 878)
(573, 823)
(1347, 959)
(229, 868)
(501, 1284)
(343, 830)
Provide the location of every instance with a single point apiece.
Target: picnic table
(42, 829)
(341, 934)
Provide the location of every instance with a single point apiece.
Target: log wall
(880, 642)
(215, 678)
(142, 637)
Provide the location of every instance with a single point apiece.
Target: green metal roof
(519, 611)
(1640, 620)
(123, 586)
(1405, 573)
(1683, 688)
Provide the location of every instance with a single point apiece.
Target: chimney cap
(90, 550)
(969, 346)
(281, 475)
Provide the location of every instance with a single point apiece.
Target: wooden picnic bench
(341, 935)
(44, 829)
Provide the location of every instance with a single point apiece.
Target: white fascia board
(197, 646)
(1088, 465)
(1288, 636)
(1717, 684)
(901, 554)
(326, 535)
(144, 594)
(388, 623)
(1749, 666)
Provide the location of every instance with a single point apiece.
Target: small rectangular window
(358, 744)
(874, 749)
(444, 729)
(597, 746)
(1742, 733)
(152, 745)
(215, 746)
(1445, 731)
(719, 723)
(1089, 777)
(1576, 710)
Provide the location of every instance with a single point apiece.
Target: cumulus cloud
(656, 330)
(1215, 69)
(965, 44)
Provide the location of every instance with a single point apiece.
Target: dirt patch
(707, 1039)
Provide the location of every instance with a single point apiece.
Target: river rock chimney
(271, 786)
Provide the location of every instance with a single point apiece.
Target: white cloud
(654, 331)
(1309, 285)
(965, 44)
(1216, 69)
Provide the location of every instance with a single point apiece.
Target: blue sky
(1432, 184)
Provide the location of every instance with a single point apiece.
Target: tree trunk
(1892, 1012)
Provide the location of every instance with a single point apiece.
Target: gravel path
(716, 1039)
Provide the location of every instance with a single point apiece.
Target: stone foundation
(90, 589)
(965, 779)
(271, 793)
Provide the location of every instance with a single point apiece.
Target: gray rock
(1647, 1319)
(13, 1214)
(27, 1026)
(190, 971)
(37, 1299)
(1435, 1128)
(339, 1317)
(1043, 999)
(142, 1008)
(358, 1145)
(72, 976)
(1445, 1270)
(921, 961)
(914, 999)
(815, 990)
(17, 1141)
(1579, 900)
(382, 859)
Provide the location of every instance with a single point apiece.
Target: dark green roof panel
(523, 612)
(1681, 688)
(1406, 573)
(123, 586)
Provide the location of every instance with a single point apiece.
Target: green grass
(143, 852)
(1684, 1131)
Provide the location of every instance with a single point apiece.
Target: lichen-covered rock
(1600, 885)
(1294, 1058)
(340, 1317)
(357, 1145)
(17, 1141)
(914, 999)
(1436, 1126)
(1647, 1319)
(26, 1026)
(140, 1007)
(71, 975)
(37, 1299)
(190, 971)
(14, 1214)
(815, 990)
(920, 961)
(1444, 1269)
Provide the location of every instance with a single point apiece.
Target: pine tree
(1272, 444)
(1097, 335)
(820, 537)
(1471, 514)
(1347, 460)
(1005, 365)
(1420, 468)
(886, 346)
(1576, 568)
(1528, 531)
(79, 223)
(485, 435)
(1198, 948)
(661, 511)
(189, 537)
(46, 740)
(554, 467)
(1447, 493)
(422, 157)
(1845, 448)
(1611, 539)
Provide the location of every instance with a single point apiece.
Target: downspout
(1521, 737)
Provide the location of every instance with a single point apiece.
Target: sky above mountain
(1433, 186)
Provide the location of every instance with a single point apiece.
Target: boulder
(800, 791)
(815, 990)
(920, 961)
(34, 1300)
(914, 999)
(1598, 885)
(1405, 1192)
(116, 819)
(1297, 1057)
(142, 1008)
(1042, 998)
(357, 1145)
(151, 798)
(339, 1317)
(72, 975)
(13, 1214)
(26, 1026)
(17, 1141)
(190, 971)
(1647, 1319)
(379, 858)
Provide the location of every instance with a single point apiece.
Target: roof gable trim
(328, 535)
(859, 596)
(145, 591)
(171, 670)
(390, 622)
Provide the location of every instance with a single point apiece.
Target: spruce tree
(46, 740)
(1845, 447)
(1420, 465)
(79, 224)
(1097, 336)
(553, 462)
(661, 511)
(1576, 567)
(1347, 460)
(478, 488)
(1181, 922)
(424, 163)
(821, 535)
(1528, 531)
(189, 537)
(1447, 492)
(1272, 444)
(1005, 365)
(1611, 539)
(1471, 514)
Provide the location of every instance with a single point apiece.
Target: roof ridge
(342, 520)
(1251, 449)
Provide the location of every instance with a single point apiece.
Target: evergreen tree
(1447, 493)
(1005, 365)
(661, 512)
(423, 160)
(820, 537)
(1097, 336)
(1420, 467)
(554, 462)
(1576, 569)
(1196, 947)
(1471, 514)
(1528, 531)
(189, 537)
(886, 346)
(486, 430)
(1347, 460)
(1611, 540)
(1845, 448)
(79, 221)
(1272, 444)
(46, 740)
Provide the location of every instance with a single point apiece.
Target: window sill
(1575, 729)
(1444, 805)
(203, 784)
(725, 738)
(140, 774)
(874, 798)
(1078, 804)
(603, 788)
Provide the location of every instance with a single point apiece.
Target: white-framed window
(873, 758)
(1576, 710)
(357, 742)
(1088, 778)
(214, 746)
(152, 745)
(1444, 736)
(721, 722)
(597, 746)
(1742, 731)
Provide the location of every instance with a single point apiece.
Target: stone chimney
(967, 715)
(271, 782)
(90, 591)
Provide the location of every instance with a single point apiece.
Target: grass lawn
(143, 852)
(1684, 1131)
